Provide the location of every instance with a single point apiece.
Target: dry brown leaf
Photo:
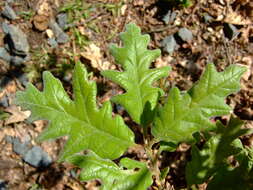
(93, 54)
(41, 22)
(17, 115)
(43, 8)
(235, 18)
(240, 13)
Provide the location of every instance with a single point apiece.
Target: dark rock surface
(230, 31)
(3, 185)
(17, 60)
(9, 13)
(16, 40)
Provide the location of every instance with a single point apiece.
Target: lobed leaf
(86, 126)
(113, 177)
(235, 178)
(140, 97)
(213, 156)
(187, 113)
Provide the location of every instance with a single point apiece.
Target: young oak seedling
(105, 138)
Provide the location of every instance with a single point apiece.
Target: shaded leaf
(141, 97)
(217, 149)
(190, 112)
(112, 176)
(87, 126)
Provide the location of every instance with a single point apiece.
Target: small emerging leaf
(112, 176)
(87, 126)
(141, 97)
(187, 113)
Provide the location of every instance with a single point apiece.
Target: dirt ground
(92, 26)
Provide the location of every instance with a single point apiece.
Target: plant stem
(153, 156)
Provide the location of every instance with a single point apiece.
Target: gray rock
(37, 157)
(16, 40)
(169, 44)
(5, 55)
(4, 101)
(4, 80)
(3, 185)
(23, 79)
(62, 20)
(9, 13)
(185, 34)
(18, 60)
(20, 148)
(61, 37)
(52, 42)
(230, 31)
(169, 17)
(208, 18)
(5, 27)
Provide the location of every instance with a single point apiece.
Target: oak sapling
(183, 115)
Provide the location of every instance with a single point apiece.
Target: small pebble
(119, 108)
(4, 101)
(9, 13)
(61, 37)
(169, 17)
(230, 31)
(169, 44)
(208, 18)
(20, 148)
(185, 34)
(16, 40)
(52, 42)
(23, 79)
(62, 20)
(37, 157)
(3, 185)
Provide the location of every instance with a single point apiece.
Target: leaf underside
(112, 176)
(140, 97)
(86, 126)
(187, 113)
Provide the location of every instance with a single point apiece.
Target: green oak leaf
(213, 156)
(86, 126)
(235, 178)
(112, 176)
(190, 112)
(140, 97)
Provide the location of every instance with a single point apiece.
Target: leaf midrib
(77, 119)
(192, 106)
